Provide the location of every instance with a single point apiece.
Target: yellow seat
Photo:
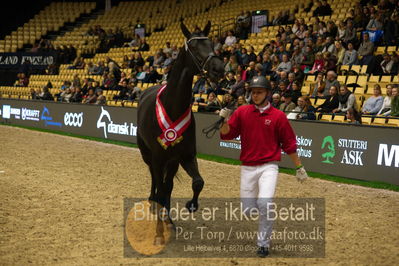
(339, 119)
(393, 122)
(379, 121)
(326, 117)
(366, 120)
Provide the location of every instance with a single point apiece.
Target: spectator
(328, 45)
(151, 76)
(291, 79)
(299, 75)
(266, 64)
(167, 48)
(230, 39)
(135, 42)
(350, 33)
(346, 100)
(308, 59)
(339, 52)
(241, 101)
(77, 96)
(122, 79)
(217, 45)
(125, 62)
(251, 54)
(353, 116)
(341, 30)
(375, 23)
(386, 106)
(244, 25)
(237, 89)
(109, 81)
(123, 91)
(395, 102)
(331, 81)
(297, 56)
(66, 95)
(22, 81)
(296, 92)
(136, 61)
(232, 65)
(76, 81)
(248, 93)
(158, 59)
(331, 103)
(175, 52)
(244, 57)
(97, 69)
(284, 66)
(114, 69)
(46, 95)
(319, 86)
(141, 73)
(33, 94)
(350, 57)
(90, 98)
(228, 101)
(304, 110)
(366, 50)
(332, 30)
(79, 63)
(143, 47)
(101, 100)
(330, 62)
(287, 105)
(276, 100)
(249, 73)
(212, 104)
(373, 104)
(134, 91)
(327, 11)
(225, 84)
(168, 61)
(318, 65)
(387, 64)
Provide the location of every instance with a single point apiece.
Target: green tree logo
(328, 143)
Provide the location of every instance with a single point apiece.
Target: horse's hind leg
(191, 167)
(158, 174)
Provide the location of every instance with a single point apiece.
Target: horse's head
(200, 50)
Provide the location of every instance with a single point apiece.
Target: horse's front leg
(191, 167)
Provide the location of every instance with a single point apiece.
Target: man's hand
(225, 113)
(301, 174)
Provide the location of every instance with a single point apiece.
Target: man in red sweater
(264, 131)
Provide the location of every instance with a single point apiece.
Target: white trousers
(258, 184)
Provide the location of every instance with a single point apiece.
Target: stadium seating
(52, 18)
(162, 20)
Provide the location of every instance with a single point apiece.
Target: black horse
(196, 57)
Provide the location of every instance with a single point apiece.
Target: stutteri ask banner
(360, 152)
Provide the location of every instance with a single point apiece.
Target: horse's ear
(207, 28)
(185, 31)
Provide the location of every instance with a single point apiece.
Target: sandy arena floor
(61, 202)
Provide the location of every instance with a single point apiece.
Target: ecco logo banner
(73, 119)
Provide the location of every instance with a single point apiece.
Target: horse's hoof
(159, 241)
(192, 206)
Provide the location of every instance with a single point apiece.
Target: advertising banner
(37, 60)
(360, 152)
